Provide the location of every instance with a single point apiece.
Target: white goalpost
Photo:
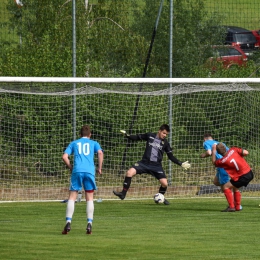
(38, 117)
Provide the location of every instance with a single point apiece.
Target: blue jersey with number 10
(83, 150)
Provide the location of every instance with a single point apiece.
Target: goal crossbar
(129, 80)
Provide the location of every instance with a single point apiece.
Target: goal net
(39, 119)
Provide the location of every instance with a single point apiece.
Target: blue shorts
(86, 179)
(222, 176)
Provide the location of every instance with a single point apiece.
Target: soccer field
(140, 229)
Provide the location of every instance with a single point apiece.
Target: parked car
(257, 36)
(229, 56)
(245, 39)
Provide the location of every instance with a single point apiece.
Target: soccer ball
(158, 198)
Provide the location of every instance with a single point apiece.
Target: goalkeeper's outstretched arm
(184, 165)
(131, 137)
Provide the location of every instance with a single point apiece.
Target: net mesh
(37, 125)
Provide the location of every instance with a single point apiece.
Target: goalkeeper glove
(185, 165)
(124, 133)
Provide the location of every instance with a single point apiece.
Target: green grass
(5, 33)
(186, 229)
(243, 13)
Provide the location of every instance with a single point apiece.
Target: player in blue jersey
(82, 173)
(151, 163)
(221, 178)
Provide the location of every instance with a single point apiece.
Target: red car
(257, 36)
(229, 56)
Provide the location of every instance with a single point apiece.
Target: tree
(105, 45)
(192, 35)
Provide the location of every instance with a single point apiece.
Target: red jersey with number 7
(234, 164)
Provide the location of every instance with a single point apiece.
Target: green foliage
(37, 128)
(112, 39)
(113, 49)
(105, 46)
(45, 29)
(192, 34)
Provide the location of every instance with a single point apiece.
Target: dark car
(245, 39)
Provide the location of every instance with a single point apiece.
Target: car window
(234, 52)
(229, 37)
(244, 37)
(223, 51)
(219, 52)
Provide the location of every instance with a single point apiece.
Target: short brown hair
(207, 135)
(165, 127)
(85, 130)
(221, 148)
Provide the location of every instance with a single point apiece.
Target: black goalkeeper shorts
(150, 168)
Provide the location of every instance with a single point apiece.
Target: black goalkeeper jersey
(155, 148)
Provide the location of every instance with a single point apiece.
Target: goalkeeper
(151, 163)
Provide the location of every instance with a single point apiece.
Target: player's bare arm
(100, 161)
(245, 152)
(65, 158)
(213, 156)
(206, 154)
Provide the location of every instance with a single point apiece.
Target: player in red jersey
(237, 168)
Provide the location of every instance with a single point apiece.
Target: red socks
(230, 198)
(237, 199)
